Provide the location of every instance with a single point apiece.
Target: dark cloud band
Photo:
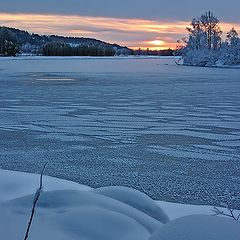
(151, 9)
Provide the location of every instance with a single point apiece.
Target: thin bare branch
(218, 212)
(36, 198)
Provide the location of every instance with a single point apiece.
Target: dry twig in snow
(36, 198)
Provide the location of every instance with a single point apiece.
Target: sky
(153, 24)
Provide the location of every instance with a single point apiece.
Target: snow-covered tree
(230, 49)
(232, 38)
(210, 26)
(204, 41)
(196, 36)
(205, 46)
(205, 33)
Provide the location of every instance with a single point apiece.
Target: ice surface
(170, 131)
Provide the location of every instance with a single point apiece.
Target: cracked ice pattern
(173, 132)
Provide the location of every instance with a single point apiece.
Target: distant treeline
(64, 49)
(165, 52)
(14, 41)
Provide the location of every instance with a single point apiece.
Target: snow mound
(62, 201)
(135, 199)
(18, 184)
(87, 223)
(199, 227)
(69, 211)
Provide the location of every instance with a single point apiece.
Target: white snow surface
(199, 227)
(19, 184)
(69, 211)
(135, 199)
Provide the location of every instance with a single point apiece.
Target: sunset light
(157, 42)
(119, 120)
(133, 33)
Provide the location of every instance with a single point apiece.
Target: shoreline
(67, 210)
(173, 209)
(26, 57)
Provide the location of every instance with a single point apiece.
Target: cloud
(129, 22)
(151, 9)
(129, 32)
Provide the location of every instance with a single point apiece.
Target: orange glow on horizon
(133, 33)
(157, 42)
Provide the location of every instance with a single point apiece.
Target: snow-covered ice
(170, 131)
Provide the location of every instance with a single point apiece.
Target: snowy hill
(32, 43)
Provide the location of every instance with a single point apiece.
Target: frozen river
(170, 131)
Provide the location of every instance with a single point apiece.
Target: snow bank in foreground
(69, 214)
(199, 227)
(19, 184)
(69, 211)
(135, 199)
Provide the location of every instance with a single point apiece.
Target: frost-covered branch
(35, 200)
(231, 213)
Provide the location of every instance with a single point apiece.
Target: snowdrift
(135, 199)
(199, 227)
(69, 211)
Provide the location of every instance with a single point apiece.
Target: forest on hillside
(14, 41)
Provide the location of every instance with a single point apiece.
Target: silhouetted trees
(15, 41)
(64, 49)
(8, 43)
(148, 52)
